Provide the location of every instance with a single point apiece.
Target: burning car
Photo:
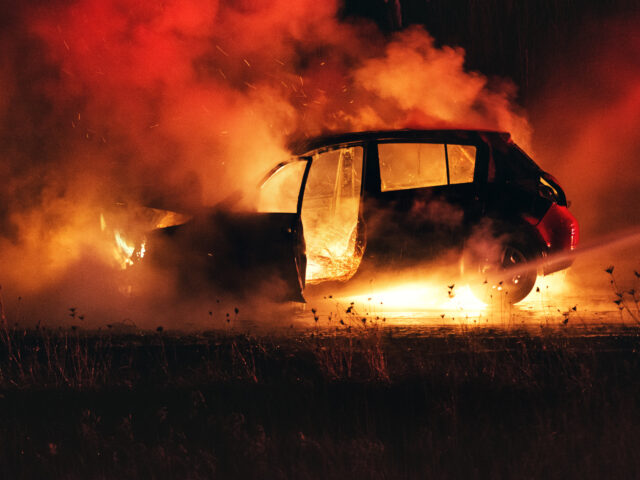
(352, 202)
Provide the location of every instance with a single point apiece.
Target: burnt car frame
(359, 201)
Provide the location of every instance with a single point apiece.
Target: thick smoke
(586, 133)
(587, 125)
(107, 104)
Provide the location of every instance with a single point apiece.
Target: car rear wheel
(508, 276)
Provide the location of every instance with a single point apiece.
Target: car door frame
(374, 200)
(308, 156)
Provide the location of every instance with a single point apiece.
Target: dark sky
(576, 69)
(520, 40)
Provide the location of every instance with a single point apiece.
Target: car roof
(301, 146)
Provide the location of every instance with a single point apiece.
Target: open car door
(330, 214)
(242, 252)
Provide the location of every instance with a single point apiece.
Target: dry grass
(346, 398)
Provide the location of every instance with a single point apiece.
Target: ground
(416, 380)
(339, 397)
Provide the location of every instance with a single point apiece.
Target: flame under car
(357, 202)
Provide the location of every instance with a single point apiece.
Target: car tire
(510, 276)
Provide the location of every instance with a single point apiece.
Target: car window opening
(405, 166)
(280, 192)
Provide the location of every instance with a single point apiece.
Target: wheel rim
(512, 258)
(505, 276)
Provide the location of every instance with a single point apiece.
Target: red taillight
(575, 234)
(559, 229)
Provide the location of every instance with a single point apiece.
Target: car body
(385, 199)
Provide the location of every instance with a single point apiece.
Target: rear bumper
(560, 231)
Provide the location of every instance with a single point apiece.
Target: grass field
(348, 402)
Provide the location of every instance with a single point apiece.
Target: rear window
(418, 165)
(411, 165)
(462, 163)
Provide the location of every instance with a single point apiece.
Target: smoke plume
(586, 123)
(107, 104)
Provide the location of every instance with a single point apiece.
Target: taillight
(575, 234)
(559, 229)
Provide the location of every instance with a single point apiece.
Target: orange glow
(419, 296)
(122, 251)
(548, 289)
(330, 215)
(333, 249)
(190, 101)
(464, 300)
